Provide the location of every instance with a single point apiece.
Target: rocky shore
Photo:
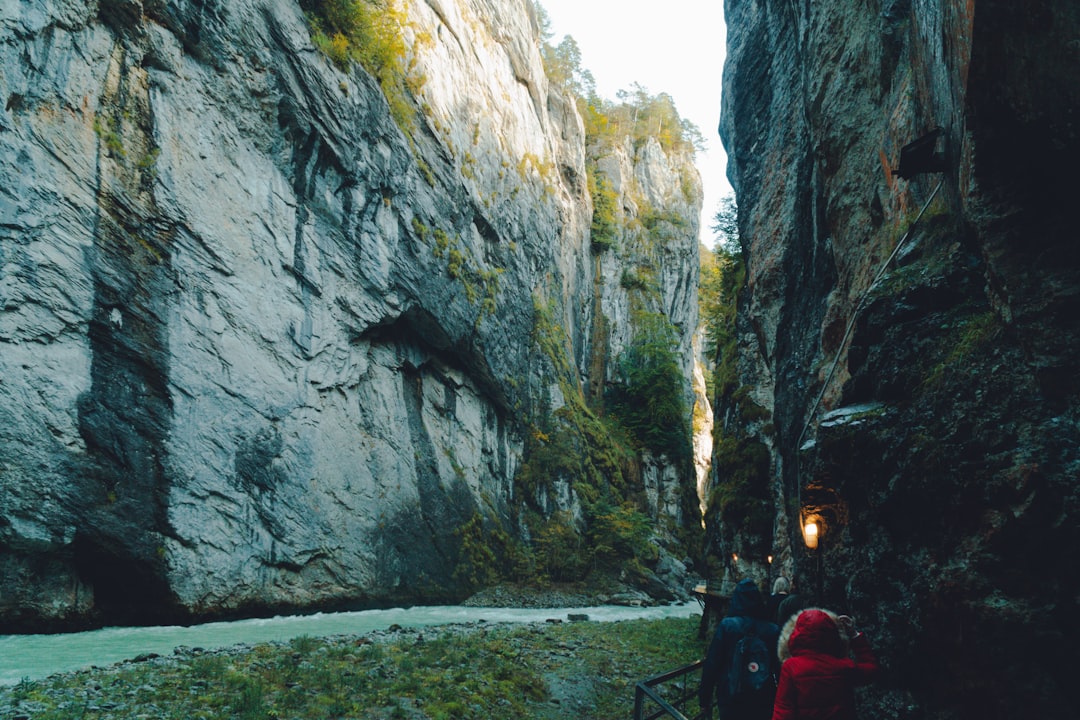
(520, 596)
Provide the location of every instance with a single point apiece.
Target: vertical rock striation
(261, 347)
(929, 419)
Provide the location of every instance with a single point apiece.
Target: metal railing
(668, 694)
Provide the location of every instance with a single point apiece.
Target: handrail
(645, 689)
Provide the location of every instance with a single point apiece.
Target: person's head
(746, 600)
(781, 586)
(813, 629)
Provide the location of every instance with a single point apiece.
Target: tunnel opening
(127, 590)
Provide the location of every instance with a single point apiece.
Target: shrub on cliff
(649, 400)
(363, 31)
(618, 533)
(637, 114)
(604, 229)
(368, 32)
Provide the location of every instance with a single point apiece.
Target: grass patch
(481, 672)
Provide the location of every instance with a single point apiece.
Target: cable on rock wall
(851, 325)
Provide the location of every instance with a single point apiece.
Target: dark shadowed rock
(931, 421)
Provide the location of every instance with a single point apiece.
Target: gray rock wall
(259, 347)
(943, 452)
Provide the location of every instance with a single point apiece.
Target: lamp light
(810, 534)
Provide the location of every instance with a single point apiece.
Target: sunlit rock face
(261, 349)
(931, 421)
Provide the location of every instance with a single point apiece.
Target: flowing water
(37, 656)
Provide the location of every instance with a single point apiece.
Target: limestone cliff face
(259, 347)
(930, 420)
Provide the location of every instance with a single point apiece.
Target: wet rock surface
(927, 420)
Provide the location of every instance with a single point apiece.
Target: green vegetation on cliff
(595, 442)
(740, 495)
(551, 340)
(604, 229)
(636, 115)
(370, 33)
(592, 454)
(723, 273)
(649, 400)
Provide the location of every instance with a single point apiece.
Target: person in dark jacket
(789, 606)
(780, 589)
(746, 611)
(818, 677)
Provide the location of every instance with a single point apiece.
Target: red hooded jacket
(817, 681)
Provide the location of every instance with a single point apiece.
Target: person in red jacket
(818, 677)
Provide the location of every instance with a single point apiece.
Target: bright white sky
(671, 46)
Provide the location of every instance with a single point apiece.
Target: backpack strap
(747, 626)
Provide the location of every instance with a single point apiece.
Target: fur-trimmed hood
(812, 630)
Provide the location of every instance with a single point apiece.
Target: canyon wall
(264, 347)
(910, 334)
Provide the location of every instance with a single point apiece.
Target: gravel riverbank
(518, 596)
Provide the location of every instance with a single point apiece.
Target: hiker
(818, 677)
(780, 589)
(791, 605)
(743, 689)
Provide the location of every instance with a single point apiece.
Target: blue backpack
(751, 664)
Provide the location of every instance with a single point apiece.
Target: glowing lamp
(810, 535)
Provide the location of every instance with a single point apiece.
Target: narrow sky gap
(676, 47)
